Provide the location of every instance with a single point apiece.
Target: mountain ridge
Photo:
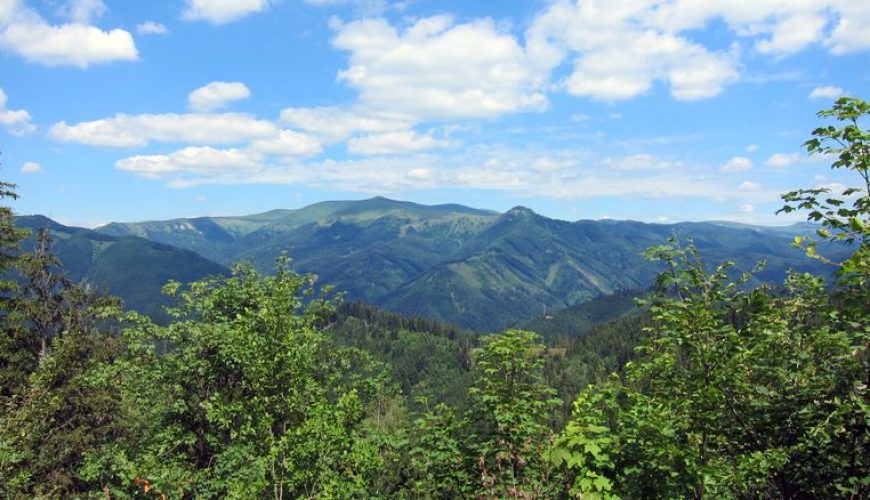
(477, 268)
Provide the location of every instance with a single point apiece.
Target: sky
(651, 110)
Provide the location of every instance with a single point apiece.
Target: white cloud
(560, 175)
(638, 162)
(222, 11)
(580, 117)
(31, 167)
(827, 92)
(737, 164)
(746, 208)
(749, 187)
(151, 28)
(780, 160)
(852, 31)
(420, 173)
(549, 164)
(336, 124)
(437, 69)
(778, 27)
(26, 33)
(288, 143)
(752, 148)
(16, 121)
(124, 131)
(618, 52)
(217, 95)
(83, 11)
(793, 32)
(618, 49)
(192, 160)
(401, 141)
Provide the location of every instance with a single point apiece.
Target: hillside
(132, 268)
(475, 268)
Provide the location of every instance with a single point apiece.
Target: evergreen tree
(10, 374)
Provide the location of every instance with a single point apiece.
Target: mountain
(476, 268)
(576, 321)
(129, 267)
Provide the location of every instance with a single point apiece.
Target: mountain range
(479, 269)
(129, 267)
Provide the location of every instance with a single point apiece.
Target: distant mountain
(476, 268)
(132, 268)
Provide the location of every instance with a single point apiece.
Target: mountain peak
(520, 211)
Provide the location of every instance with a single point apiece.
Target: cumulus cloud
(851, 32)
(336, 124)
(196, 160)
(567, 175)
(125, 131)
(151, 28)
(16, 121)
(222, 11)
(402, 141)
(438, 69)
(24, 32)
(618, 50)
(83, 11)
(780, 160)
(793, 32)
(31, 167)
(217, 95)
(288, 143)
(827, 92)
(737, 164)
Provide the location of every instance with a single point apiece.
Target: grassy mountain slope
(524, 262)
(132, 268)
(475, 268)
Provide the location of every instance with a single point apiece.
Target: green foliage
(510, 412)
(564, 325)
(427, 358)
(593, 358)
(133, 269)
(243, 395)
(54, 414)
(846, 215)
(9, 239)
(739, 392)
(438, 462)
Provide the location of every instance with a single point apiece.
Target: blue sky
(654, 110)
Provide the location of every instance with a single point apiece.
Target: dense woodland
(267, 385)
